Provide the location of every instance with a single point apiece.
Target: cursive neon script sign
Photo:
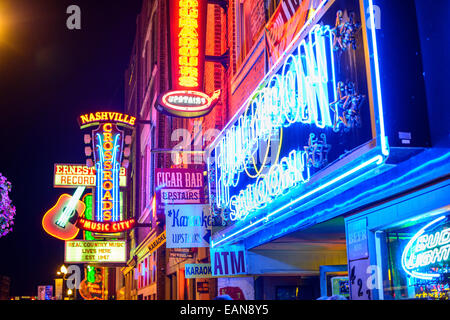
(426, 249)
(300, 93)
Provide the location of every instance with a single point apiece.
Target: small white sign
(82, 251)
(188, 226)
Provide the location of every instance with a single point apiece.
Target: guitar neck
(62, 221)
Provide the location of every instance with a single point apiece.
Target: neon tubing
(377, 159)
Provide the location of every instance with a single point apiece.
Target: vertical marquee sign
(108, 146)
(187, 51)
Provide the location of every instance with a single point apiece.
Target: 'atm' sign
(228, 261)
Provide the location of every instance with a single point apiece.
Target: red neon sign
(105, 227)
(188, 104)
(187, 42)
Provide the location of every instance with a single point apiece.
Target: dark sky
(48, 76)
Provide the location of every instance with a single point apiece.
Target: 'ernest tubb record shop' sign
(187, 50)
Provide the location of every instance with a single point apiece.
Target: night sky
(48, 76)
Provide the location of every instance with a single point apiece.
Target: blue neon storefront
(362, 149)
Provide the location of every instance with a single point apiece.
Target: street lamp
(62, 272)
(63, 269)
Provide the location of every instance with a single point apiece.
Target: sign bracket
(223, 59)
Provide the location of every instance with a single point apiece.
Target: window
(418, 260)
(271, 6)
(250, 18)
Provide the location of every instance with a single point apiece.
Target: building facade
(332, 170)
(152, 271)
(325, 159)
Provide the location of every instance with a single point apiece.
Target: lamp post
(62, 272)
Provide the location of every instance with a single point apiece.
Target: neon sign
(105, 227)
(75, 175)
(91, 119)
(59, 221)
(187, 40)
(302, 93)
(108, 146)
(187, 103)
(92, 287)
(425, 250)
(326, 105)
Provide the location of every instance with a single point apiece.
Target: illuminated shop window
(418, 266)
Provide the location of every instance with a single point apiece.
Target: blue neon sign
(322, 112)
(427, 249)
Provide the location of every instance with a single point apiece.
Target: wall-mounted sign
(317, 102)
(188, 226)
(179, 186)
(188, 41)
(287, 20)
(88, 214)
(60, 220)
(182, 253)
(426, 255)
(157, 242)
(187, 45)
(105, 227)
(197, 270)
(238, 288)
(358, 280)
(109, 146)
(228, 261)
(202, 287)
(59, 288)
(357, 242)
(188, 103)
(340, 286)
(82, 251)
(93, 286)
(75, 175)
(94, 119)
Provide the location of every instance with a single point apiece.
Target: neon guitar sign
(60, 220)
